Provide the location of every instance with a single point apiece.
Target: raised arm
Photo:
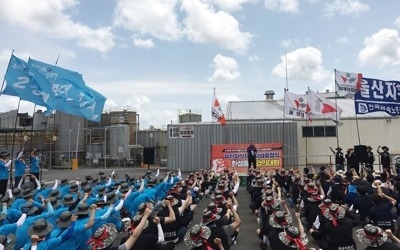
(55, 185)
(90, 223)
(171, 214)
(160, 231)
(137, 232)
(236, 223)
(20, 154)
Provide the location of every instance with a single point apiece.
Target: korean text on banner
(378, 95)
(27, 84)
(269, 156)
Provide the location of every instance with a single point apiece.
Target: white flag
(216, 111)
(295, 105)
(319, 106)
(348, 82)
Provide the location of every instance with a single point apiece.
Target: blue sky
(161, 56)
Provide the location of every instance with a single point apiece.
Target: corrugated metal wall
(152, 138)
(192, 154)
(157, 139)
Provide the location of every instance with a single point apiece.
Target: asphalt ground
(247, 238)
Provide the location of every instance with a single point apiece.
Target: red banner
(269, 156)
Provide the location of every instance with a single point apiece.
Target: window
(174, 132)
(319, 131)
(308, 132)
(330, 131)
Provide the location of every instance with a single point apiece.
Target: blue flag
(68, 86)
(26, 83)
(92, 112)
(378, 95)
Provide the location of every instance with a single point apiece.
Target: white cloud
(282, 5)
(304, 64)
(50, 18)
(381, 49)
(345, 7)
(229, 5)
(143, 43)
(397, 22)
(205, 25)
(226, 69)
(343, 40)
(156, 18)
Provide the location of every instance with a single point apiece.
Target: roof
(273, 110)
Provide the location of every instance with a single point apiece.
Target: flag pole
(212, 129)
(13, 145)
(336, 113)
(2, 86)
(358, 131)
(308, 92)
(33, 122)
(283, 111)
(45, 132)
(283, 126)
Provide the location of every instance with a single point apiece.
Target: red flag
(216, 111)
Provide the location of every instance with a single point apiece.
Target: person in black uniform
(351, 160)
(339, 158)
(385, 157)
(251, 155)
(369, 163)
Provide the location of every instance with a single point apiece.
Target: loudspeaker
(361, 153)
(148, 155)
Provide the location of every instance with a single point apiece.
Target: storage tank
(119, 141)
(189, 115)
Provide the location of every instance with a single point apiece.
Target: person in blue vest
(20, 166)
(4, 165)
(34, 160)
(41, 228)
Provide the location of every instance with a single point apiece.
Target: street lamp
(90, 145)
(105, 146)
(69, 146)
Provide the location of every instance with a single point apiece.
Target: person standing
(20, 166)
(351, 160)
(339, 158)
(385, 158)
(369, 162)
(4, 165)
(34, 160)
(251, 155)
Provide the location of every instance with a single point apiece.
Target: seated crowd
(108, 212)
(332, 209)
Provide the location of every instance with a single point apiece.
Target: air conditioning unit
(121, 119)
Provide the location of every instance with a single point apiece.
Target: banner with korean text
(269, 156)
(377, 95)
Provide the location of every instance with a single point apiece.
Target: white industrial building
(314, 138)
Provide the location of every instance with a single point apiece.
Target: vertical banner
(228, 156)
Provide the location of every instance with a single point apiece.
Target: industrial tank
(119, 141)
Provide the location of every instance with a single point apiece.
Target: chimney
(269, 95)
